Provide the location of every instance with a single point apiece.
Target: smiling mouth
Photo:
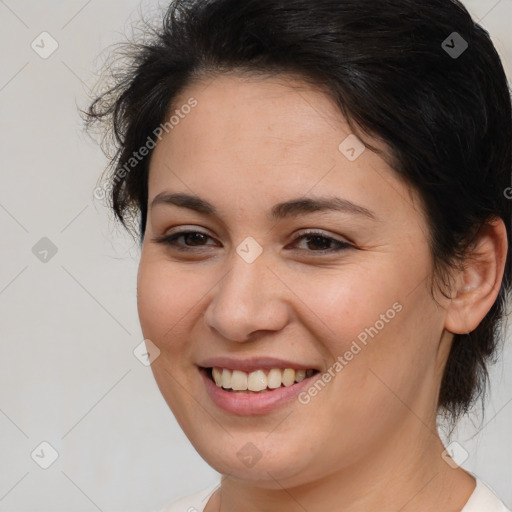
(258, 381)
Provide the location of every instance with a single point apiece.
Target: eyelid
(320, 232)
(184, 230)
(306, 231)
(169, 239)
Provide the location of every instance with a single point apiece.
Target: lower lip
(249, 404)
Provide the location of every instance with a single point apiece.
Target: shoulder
(193, 502)
(484, 499)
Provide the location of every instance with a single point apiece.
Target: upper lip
(252, 364)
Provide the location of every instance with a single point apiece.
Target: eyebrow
(293, 207)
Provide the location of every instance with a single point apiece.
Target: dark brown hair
(399, 71)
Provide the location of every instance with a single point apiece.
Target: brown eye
(193, 238)
(318, 242)
(190, 239)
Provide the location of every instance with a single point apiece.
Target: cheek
(165, 301)
(378, 320)
(165, 298)
(394, 368)
(344, 304)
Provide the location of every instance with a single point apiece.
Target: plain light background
(68, 326)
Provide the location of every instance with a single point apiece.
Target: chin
(250, 458)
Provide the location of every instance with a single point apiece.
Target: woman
(322, 193)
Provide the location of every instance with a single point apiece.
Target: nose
(248, 299)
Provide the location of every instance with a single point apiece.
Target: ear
(478, 284)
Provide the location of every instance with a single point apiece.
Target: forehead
(265, 137)
(279, 110)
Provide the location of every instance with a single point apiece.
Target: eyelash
(171, 239)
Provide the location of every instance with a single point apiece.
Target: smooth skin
(368, 441)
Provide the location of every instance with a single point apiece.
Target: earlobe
(479, 282)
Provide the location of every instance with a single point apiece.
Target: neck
(407, 473)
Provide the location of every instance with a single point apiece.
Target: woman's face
(250, 292)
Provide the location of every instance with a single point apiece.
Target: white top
(483, 499)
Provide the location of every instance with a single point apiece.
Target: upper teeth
(258, 380)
